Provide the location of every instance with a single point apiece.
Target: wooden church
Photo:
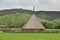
(33, 25)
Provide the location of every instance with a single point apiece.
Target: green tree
(56, 23)
(42, 15)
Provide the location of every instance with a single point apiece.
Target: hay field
(29, 36)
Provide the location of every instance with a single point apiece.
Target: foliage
(19, 19)
(14, 20)
(2, 26)
(56, 23)
(42, 15)
(51, 31)
(46, 23)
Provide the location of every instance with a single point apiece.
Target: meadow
(29, 36)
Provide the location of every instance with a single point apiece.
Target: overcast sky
(28, 4)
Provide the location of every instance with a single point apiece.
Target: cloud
(49, 5)
(28, 4)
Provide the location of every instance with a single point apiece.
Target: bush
(56, 23)
(52, 31)
(47, 24)
(2, 26)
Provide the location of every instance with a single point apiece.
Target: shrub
(2, 26)
(52, 31)
(47, 24)
(56, 23)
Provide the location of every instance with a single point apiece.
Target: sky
(49, 5)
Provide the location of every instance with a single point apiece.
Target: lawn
(29, 36)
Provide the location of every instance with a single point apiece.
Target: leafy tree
(56, 23)
(42, 15)
(47, 24)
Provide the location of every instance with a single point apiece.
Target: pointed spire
(33, 8)
(33, 23)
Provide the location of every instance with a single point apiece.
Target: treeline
(54, 24)
(50, 15)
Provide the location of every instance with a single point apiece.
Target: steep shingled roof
(33, 23)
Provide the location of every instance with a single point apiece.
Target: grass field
(29, 36)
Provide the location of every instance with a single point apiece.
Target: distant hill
(50, 15)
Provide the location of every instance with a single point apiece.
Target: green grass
(30, 36)
(0, 36)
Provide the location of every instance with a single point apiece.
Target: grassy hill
(50, 15)
(18, 20)
(14, 20)
(18, 17)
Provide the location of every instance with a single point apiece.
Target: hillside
(50, 15)
(17, 20)
(14, 20)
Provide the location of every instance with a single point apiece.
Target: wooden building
(33, 25)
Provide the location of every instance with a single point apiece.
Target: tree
(42, 15)
(56, 23)
(10, 24)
